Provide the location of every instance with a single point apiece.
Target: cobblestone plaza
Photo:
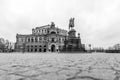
(98, 66)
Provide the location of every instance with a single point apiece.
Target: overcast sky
(98, 21)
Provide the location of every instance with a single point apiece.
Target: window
(44, 45)
(34, 31)
(32, 40)
(45, 31)
(28, 50)
(28, 39)
(22, 40)
(40, 50)
(53, 39)
(19, 39)
(44, 50)
(40, 38)
(42, 31)
(36, 40)
(31, 50)
(35, 50)
(59, 47)
(37, 31)
(53, 32)
(63, 39)
(59, 39)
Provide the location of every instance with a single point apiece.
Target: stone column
(30, 39)
(38, 39)
(49, 48)
(57, 48)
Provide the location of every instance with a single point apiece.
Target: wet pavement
(54, 66)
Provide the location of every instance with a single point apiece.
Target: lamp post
(23, 48)
(89, 47)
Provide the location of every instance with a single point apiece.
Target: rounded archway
(53, 48)
(70, 47)
(53, 32)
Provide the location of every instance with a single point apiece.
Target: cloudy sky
(98, 21)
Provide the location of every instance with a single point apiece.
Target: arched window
(32, 40)
(44, 45)
(36, 40)
(42, 31)
(40, 39)
(53, 39)
(45, 31)
(35, 50)
(59, 39)
(44, 50)
(53, 32)
(63, 39)
(28, 50)
(31, 50)
(28, 39)
(40, 50)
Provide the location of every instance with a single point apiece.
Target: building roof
(45, 26)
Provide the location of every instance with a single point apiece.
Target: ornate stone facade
(46, 38)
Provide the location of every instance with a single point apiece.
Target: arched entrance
(70, 47)
(53, 48)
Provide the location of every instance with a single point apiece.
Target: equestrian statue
(71, 23)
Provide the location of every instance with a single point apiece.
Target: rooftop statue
(52, 24)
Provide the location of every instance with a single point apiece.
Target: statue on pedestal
(73, 43)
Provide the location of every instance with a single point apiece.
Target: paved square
(54, 66)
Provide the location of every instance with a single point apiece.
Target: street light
(90, 47)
